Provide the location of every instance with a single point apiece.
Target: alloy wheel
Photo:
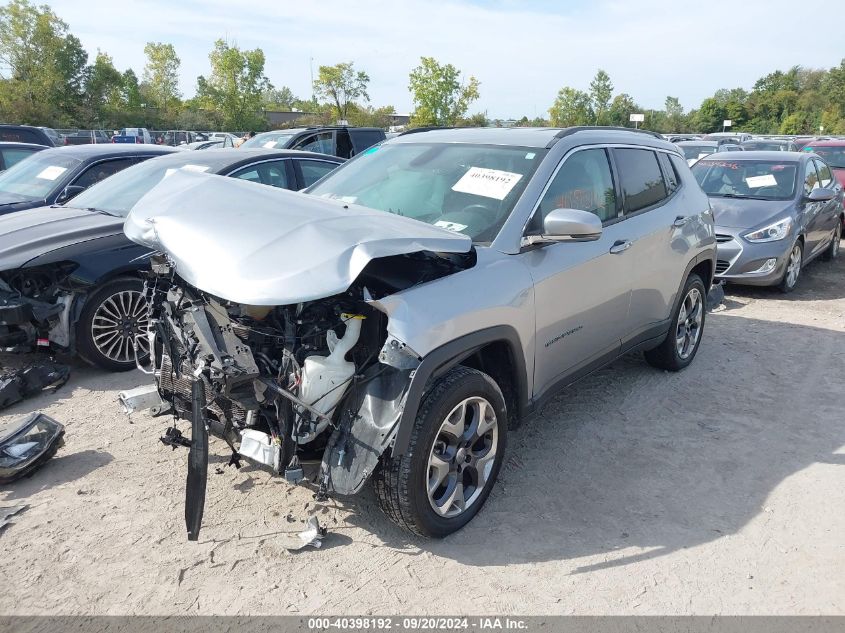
(690, 318)
(462, 457)
(118, 320)
(793, 267)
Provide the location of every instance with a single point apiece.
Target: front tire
(681, 344)
(794, 262)
(453, 457)
(112, 316)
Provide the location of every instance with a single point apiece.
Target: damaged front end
(263, 327)
(319, 381)
(35, 308)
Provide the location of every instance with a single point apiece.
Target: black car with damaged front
(70, 280)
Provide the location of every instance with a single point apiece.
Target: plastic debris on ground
(312, 535)
(17, 384)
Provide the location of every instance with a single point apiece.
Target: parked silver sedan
(774, 213)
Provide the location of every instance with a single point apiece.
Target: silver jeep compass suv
(393, 322)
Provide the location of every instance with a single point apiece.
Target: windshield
(833, 156)
(35, 177)
(270, 140)
(119, 193)
(761, 180)
(470, 189)
(697, 151)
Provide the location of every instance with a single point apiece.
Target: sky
(521, 52)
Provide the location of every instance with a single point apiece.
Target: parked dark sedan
(774, 213)
(69, 277)
(13, 153)
(57, 174)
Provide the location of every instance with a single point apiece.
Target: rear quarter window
(640, 177)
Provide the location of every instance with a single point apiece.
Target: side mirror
(69, 192)
(821, 195)
(568, 225)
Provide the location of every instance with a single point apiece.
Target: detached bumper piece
(197, 463)
(35, 440)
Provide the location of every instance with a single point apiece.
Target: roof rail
(585, 128)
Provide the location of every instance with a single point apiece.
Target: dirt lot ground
(716, 490)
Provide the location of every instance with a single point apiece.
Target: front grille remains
(178, 389)
(722, 265)
(721, 238)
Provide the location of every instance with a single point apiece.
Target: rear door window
(310, 171)
(273, 173)
(640, 177)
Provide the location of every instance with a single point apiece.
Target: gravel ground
(716, 490)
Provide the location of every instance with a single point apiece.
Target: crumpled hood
(28, 234)
(259, 245)
(745, 214)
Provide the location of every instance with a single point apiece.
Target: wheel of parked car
(793, 268)
(681, 345)
(453, 458)
(832, 251)
(111, 318)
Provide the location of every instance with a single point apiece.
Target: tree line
(46, 78)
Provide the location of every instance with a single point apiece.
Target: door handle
(681, 221)
(620, 247)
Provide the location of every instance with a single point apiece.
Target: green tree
(572, 107)
(438, 94)
(341, 84)
(131, 92)
(235, 85)
(620, 110)
(44, 66)
(601, 91)
(674, 114)
(103, 87)
(710, 116)
(161, 74)
(278, 98)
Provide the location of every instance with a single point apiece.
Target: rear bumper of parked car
(739, 261)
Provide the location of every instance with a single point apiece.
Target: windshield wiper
(102, 211)
(737, 196)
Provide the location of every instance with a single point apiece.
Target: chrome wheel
(793, 266)
(690, 319)
(116, 322)
(462, 457)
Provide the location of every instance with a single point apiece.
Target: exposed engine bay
(320, 381)
(35, 308)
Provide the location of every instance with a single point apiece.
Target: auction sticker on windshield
(452, 226)
(51, 173)
(766, 180)
(490, 183)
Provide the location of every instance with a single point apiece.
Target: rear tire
(111, 317)
(681, 344)
(832, 251)
(453, 456)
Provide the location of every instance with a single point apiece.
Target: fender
(442, 359)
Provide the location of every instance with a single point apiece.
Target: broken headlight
(29, 445)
